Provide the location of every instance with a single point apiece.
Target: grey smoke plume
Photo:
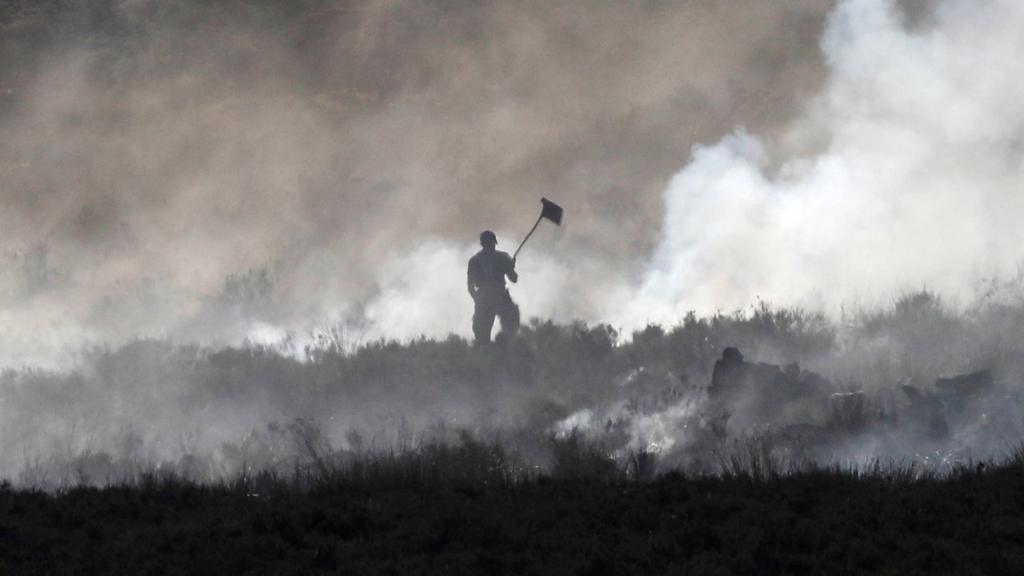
(211, 171)
(229, 171)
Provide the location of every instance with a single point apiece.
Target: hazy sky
(211, 171)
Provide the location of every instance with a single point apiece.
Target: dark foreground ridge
(823, 521)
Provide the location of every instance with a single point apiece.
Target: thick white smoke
(917, 182)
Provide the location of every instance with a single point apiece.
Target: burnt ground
(817, 522)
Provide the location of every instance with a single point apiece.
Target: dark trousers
(488, 305)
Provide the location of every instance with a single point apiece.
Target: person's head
(488, 240)
(732, 355)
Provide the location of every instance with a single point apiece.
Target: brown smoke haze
(200, 170)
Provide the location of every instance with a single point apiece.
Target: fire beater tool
(548, 210)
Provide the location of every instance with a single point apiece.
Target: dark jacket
(487, 271)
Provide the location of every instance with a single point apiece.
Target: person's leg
(509, 314)
(483, 322)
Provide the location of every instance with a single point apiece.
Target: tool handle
(528, 234)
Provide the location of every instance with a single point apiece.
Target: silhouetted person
(485, 280)
(729, 372)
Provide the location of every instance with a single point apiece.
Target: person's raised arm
(512, 274)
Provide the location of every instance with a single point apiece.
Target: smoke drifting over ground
(312, 175)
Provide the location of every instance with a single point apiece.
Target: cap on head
(488, 239)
